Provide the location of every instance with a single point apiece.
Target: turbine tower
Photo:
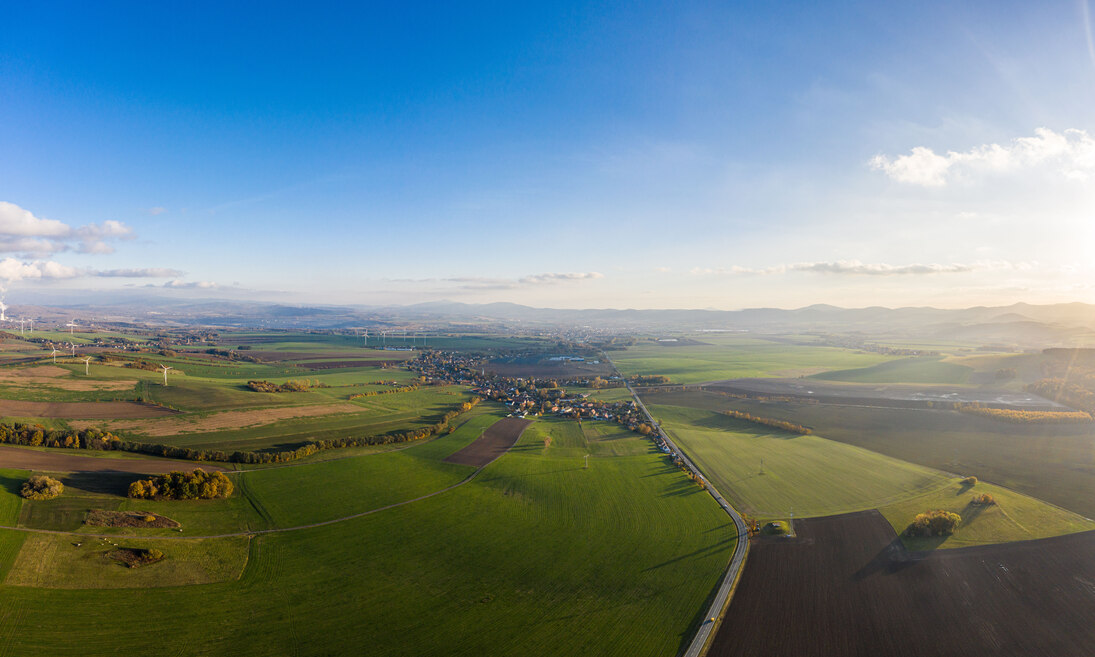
(54, 354)
(165, 368)
(21, 322)
(74, 350)
(87, 366)
(366, 337)
(71, 326)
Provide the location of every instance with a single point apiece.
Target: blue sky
(582, 155)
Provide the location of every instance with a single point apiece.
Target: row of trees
(288, 386)
(1026, 417)
(177, 485)
(783, 425)
(389, 391)
(649, 379)
(36, 435)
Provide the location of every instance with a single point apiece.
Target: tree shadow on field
(696, 554)
(889, 560)
(106, 483)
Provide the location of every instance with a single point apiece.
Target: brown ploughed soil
(82, 410)
(72, 461)
(494, 442)
(846, 587)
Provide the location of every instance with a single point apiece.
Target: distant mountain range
(1019, 324)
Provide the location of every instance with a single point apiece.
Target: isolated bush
(969, 481)
(984, 499)
(934, 523)
(41, 487)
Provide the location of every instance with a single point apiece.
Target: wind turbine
(21, 322)
(54, 354)
(71, 326)
(165, 368)
(74, 350)
(87, 365)
(366, 337)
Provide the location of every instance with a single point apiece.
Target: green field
(729, 357)
(535, 556)
(770, 473)
(1014, 517)
(1052, 462)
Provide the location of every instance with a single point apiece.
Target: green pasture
(905, 370)
(807, 474)
(1014, 517)
(537, 555)
(729, 357)
(1051, 462)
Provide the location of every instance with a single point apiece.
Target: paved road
(726, 587)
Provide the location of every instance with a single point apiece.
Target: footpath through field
(737, 562)
(514, 428)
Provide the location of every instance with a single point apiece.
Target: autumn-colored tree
(41, 487)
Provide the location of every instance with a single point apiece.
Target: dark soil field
(113, 410)
(494, 442)
(29, 459)
(845, 587)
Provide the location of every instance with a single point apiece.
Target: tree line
(389, 391)
(288, 386)
(1026, 417)
(770, 422)
(37, 435)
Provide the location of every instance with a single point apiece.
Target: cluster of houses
(527, 396)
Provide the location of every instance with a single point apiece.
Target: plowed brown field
(846, 587)
(82, 410)
(494, 442)
(30, 459)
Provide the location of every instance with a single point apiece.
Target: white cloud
(539, 279)
(178, 284)
(1070, 155)
(145, 272)
(12, 270)
(22, 232)
(855, 267)
(156, 210)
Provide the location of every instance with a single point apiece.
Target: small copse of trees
(984, 499)
(196, 485)
(288, 386)
(934, 523)
(390, 391)
(41, 487)
(969, 481)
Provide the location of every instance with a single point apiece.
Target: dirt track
(845, 587)
(494, 442)
(116, 410)
(29, 459)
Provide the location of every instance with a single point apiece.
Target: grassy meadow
(721, 357)
(537, 555)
